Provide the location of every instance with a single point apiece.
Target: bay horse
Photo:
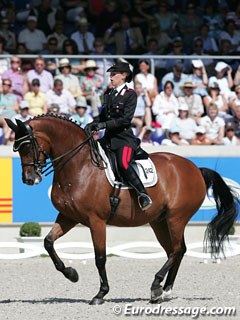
(80, 192)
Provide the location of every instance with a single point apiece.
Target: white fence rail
(232, 248)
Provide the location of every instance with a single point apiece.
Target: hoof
(71, 274)
(96, 301)
(156, 295)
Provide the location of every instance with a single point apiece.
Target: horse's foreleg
(98, 232)
(60, 227)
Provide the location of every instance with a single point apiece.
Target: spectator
(192, 100)
(212, 18)
(199, 51)
(200, 138)
(102, 64)
(81, 117)
(174, 138)
(187, 126)
(127, 39)
(236, 80)
(62, 97)
(9, 105)
(146, 135)
(39, 72)
(177, 50)
(216, 97)
(224, 79)
(3, 61)
(70, 48)
(17, 77)
(83, 38)
(165, 106)
(189, 24)
(166, 20)
(230, 139)
(213, 124)
(142, 113)
(109, 18)
(8, 35)
(23, 115)
(139, 17)
(147, 79)
(59, 35)
(46, 15)
(92, 86)
(225, 51)
(199, 77)
(33, 38)
(73, 8)
(51, 49)
(53, 108)
(209, 43)
(177, 77)
(236, 101)
(236, 120)
(232, 34)
(162, 38)
(159, 64)
(70, 81)
(36, 99)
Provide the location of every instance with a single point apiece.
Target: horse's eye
(25, 148)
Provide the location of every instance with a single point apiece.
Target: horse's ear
(21, 126)
(12, 125)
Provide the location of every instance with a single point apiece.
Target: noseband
(37, 150)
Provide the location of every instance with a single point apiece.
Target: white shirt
(146, 81)
(34, 40)
(65, 100)
(212, 127)
(227, 142)
(194, 103)
(162, 105)
(187, 128)
(78, 38)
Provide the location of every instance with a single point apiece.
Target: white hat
(174, 130)
(200, 129)
(64, 62)
(220, 66)
(197, 63)
(32, 18)
(183, 106)
(81, 20)
(81, 102)
(23, 104)
(90, 64)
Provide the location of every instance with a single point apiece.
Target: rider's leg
(124, 157)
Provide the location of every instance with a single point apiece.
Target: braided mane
(56, 116)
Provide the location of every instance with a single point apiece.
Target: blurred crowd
(180, 101)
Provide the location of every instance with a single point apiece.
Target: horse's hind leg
(60, 227)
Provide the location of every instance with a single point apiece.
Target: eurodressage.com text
(158, 310)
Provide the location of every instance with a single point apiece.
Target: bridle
(51, 165)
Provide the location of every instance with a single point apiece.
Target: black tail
(227, 211)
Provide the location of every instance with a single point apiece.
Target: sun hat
(197, 63)
(24, 104)
(90, 64)
(81, 103)
(183, 106)
(174, 130)
(64, 62)
(32, 18)
(220, 66)
(214, 85)
(188, 84)
(201, 129)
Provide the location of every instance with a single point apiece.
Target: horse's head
(33, 157)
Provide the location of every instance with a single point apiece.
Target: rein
(96, 157)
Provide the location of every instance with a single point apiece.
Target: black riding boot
(134, 181)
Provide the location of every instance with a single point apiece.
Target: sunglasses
(6, 84)
(15, 61)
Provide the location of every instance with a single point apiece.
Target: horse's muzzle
(31, 178)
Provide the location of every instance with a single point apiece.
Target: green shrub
(30, 229)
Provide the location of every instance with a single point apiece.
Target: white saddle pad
(147, 171)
